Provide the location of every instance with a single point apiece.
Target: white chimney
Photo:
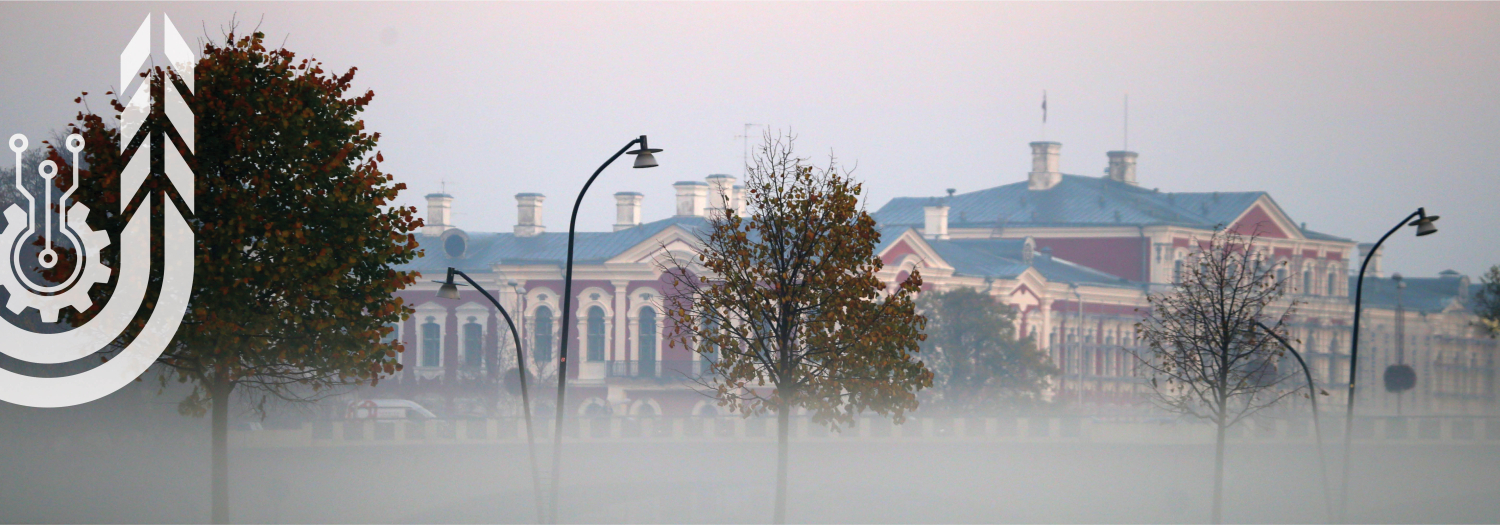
(1122, 166)
(627, 210)
(1374, 269)
(739, 200)
(439, 214)
(529, 214)
(692, 198)
(720, 194)
(1045, 173)
(936, 224)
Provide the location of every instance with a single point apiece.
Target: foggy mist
(1323, 122)
(131, 458)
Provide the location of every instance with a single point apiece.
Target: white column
(620, 350)
(1046, 324)
(503, 339)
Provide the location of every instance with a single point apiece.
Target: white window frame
(481, 317)
(589, 298)
(438, 316)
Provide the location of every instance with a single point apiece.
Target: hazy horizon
(1350, 115)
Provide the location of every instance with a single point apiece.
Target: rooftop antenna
(745, 138)
(1127, 122)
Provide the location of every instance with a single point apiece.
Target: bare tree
(1204, 355)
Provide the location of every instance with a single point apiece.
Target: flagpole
(1044, 114)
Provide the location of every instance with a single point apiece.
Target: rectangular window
(646, 335)
(596, 334)
(541, 340)
(394, 334)
(473, 344)
(432, 338)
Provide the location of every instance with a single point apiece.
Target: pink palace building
(1075, 256)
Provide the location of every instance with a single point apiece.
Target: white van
(387, 409)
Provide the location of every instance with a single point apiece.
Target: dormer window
(455, 246)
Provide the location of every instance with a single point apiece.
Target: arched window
(432, 339)
(1307, 288)
(596, 408)
(473, 342)
(596, 334)
(1281, 276)
(1177, 272)
(1332, 278)
(541, 338)
(646, 338)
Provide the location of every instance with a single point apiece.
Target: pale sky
(1350, 115)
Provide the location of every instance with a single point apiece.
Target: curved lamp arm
(536, 476)
(1424, 226)
(644, 159)
(1312, 390)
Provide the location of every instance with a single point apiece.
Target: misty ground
(58, 468)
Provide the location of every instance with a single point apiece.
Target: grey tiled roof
(888, 236)
(997, 258)
(1006, 258)
(1422, 294)
(1076, 200)
(982, 257)
(1322, 236)
(488, 249)
(1062, 271)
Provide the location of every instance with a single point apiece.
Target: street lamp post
(1312, 390)
(1424, 225)
(644, 158)
(449, 290)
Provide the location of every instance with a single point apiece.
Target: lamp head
(448, 290)
(644, 157)
(1424, 223)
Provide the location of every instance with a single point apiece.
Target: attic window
(454, 246)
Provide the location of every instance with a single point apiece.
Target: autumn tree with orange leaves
(786, 304)
(296, 232)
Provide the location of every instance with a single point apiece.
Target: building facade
(1074, 256)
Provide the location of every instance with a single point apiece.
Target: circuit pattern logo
(134, 272)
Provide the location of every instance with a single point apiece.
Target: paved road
(164, 479)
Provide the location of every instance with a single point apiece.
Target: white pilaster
(620, 350)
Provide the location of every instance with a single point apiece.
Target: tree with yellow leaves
(785, 304)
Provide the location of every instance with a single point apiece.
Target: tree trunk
(783, 430)
(219, 396)
(1219, 474)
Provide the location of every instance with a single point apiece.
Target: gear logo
(21, 224)
(109, 325)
